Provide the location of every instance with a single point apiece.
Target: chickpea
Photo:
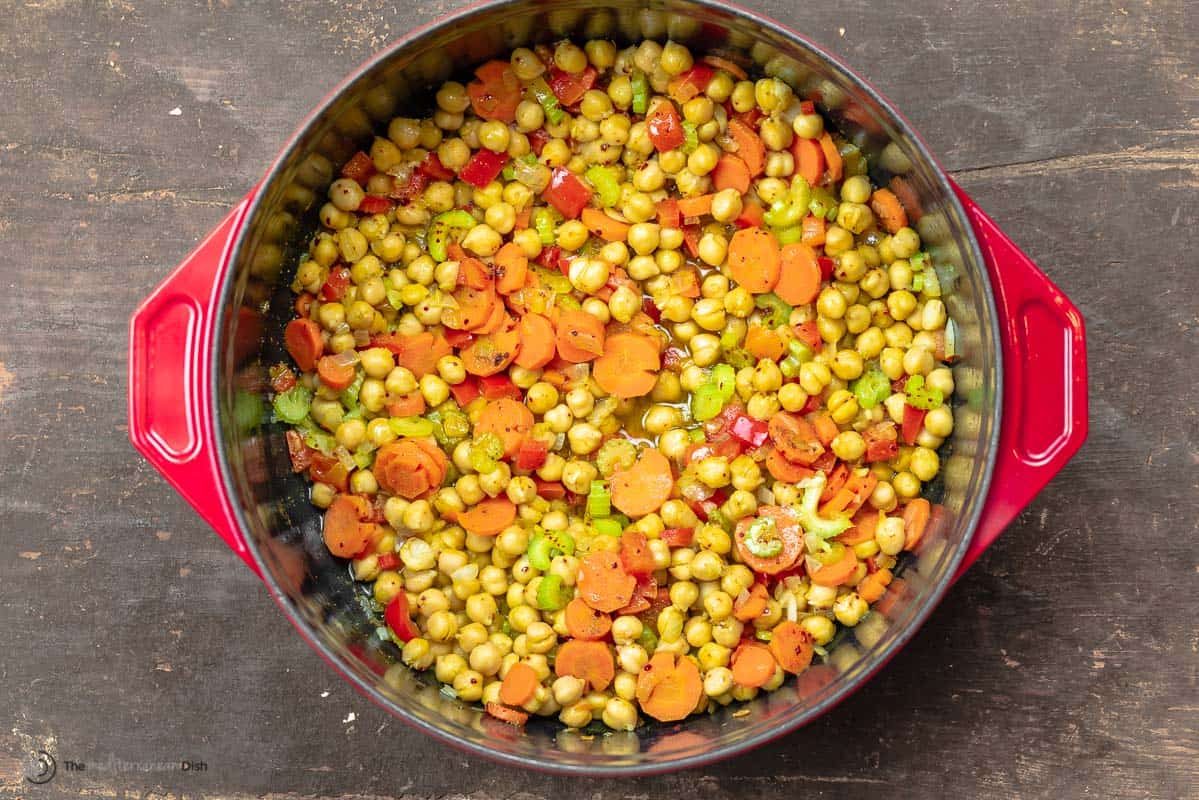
(917, 361)
(708, 313)
(925, 463)
(792, 397)
(619, 714)
(831, 304)
(890, 361)
(808, 126)
(718, 606)
(584, 438)
(820, 627)
(837, 241)
(714, 472)
(849, 446)
(890, 535)
(569, 57)
(906, 485)
(578, 475)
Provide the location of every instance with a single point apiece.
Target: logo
(40, 768)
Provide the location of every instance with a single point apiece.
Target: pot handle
(1045, 380)
(171, 409)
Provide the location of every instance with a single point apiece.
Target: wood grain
(1065, 664)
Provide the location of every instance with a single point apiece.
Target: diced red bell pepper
(537, 139)
(336, 284)
(882, 442)
(569, 88)
(717, 427)
(499, 386)
(466, 391)
(809, 334)
(691, 236)
(668, 213)
(913, 423)
(458, 339)
(672, 358)
(550, 490)
(827, 265)
(483, 167)
(374, 204)
(751, 117)
(691, 83)
(813, 404)
(549, 257)
(807, 107)
(299, 451)
(532, 454)
(399, 619)
(749, 430)
(360, 168)
(412, 188)
(751, 216)
(720, 447)
(282, 378)
(651, 310)
(665, 127)
(433, 167)
(567, 193)
(677, 537)
(389, 561)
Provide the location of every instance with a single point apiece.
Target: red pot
(198, 342)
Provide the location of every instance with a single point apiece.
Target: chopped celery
(543, 223)
(762, 538)
(918, 261)
(599, 500)
(801, 350)
(724, 378)
(717, 517)
(920, 396)
(293, 405)
(778, 312)
(790, 366)
(549, 103)
(552, 594)
(763, 636)
(410, 426)
(349, 395)
(696, 435)
(706, 402)
(788, 236)
(872, 388)
(606, 526)
(640, 92)
(811, 521)
(739, 358)
(364, 455)
(823, 204)
(605, 183)
(442, 228)
(690, 137)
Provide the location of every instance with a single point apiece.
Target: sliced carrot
(731, 173)
(749, 146)
(799, 277)
(781, 469)
(762, 343)
(795, 437)
(751, 215)
(474, 273)
(537, 342)
(418, 352)
(851, 496)
(645, 487)
(865, 524)
(635, 554)
(304, 343)
(668, 213)
(832, 158)
(753, 665)
(511, 268)
(907, 196)
(789, 533)
(726, 65)
(826, 428)
(496, 322)
(813, 231)
(436, 463)
(519, 685)
(346, 532)
(508, 419)
(897, 592)
(792, 646)
(915, 519)
(335, 375)
(659, 666)
(604, 226)
(809, 160)
(489, 517)
(696, 206)
(750, 605)
(836, 479)
(685, 282)
(410, 405)
(754, 259)
(837, 573)
(591, 661)
(586, 623)
(874, 586)
(304, 302)
(629, 366)
(603, 584)
(675, 691)
(522, 218)
(492, 353)
(399, 469)
(889, 210)
(505, 714)
(580, 336)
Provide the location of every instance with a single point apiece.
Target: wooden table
(1063, 665)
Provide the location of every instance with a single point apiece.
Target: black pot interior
(284, 529)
